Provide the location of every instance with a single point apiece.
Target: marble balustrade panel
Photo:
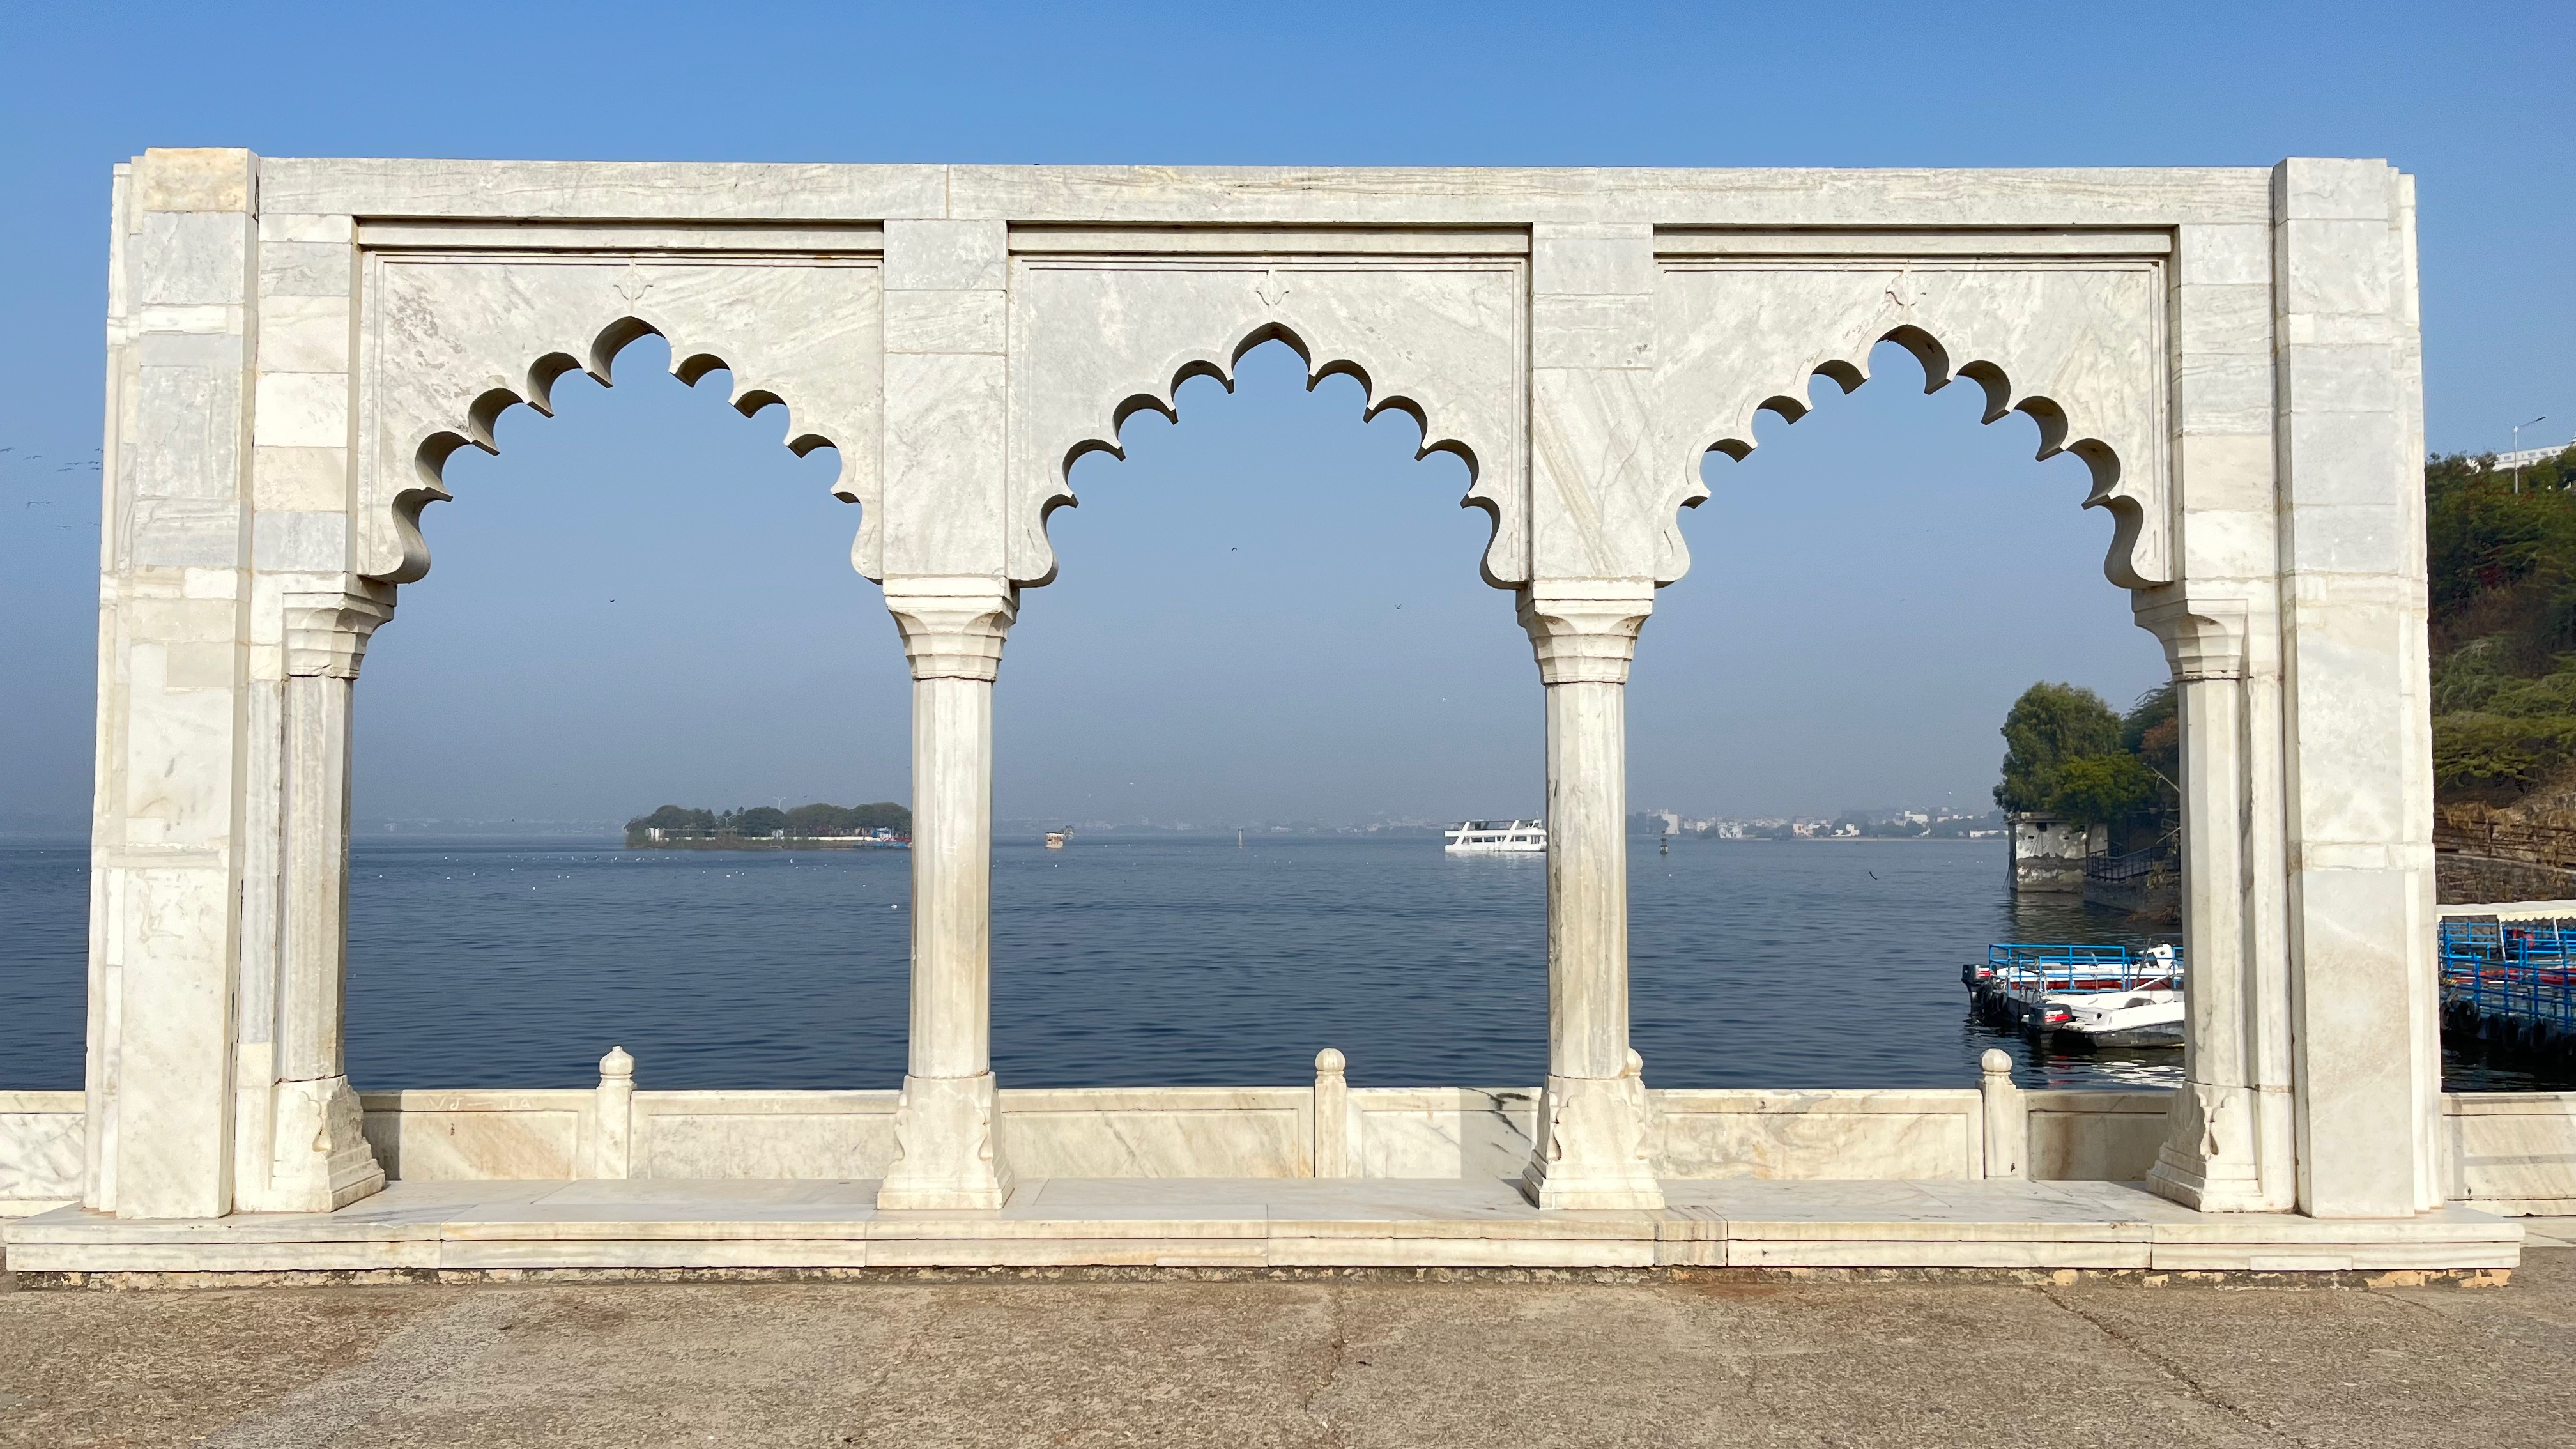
(1443, 1131)
(1161, 1132)
(2511, 1152)
(2095, 1136)
(474, 1136)
(1913, 1136)
(834, 1135)
(41, 1139)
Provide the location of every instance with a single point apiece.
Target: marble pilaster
(2356, 705)
(317, 1158)
(167, 834)
(2212, 1163)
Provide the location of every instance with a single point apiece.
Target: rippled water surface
(1129, 960)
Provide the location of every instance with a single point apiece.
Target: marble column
(1594, 1146)
(2212, 1161)
(317, 1159)
(948, 1142)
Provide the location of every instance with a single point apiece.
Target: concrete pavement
(1034, 1362)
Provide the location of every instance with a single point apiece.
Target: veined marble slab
(41, 1137)
(1255, 1222)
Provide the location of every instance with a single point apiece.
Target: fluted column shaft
(948, 1127)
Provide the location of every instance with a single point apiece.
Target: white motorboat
(2122, 1019)
(1497, 837)
(2147, 1014)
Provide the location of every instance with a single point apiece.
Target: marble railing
(2511, 1152)
(40, 1150)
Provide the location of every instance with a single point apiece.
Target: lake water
(1134, 959)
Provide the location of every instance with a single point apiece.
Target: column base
(1595, 1147)
(321, 1160)
(2208, 1163)
(948, 1147)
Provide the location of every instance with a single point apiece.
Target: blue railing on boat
(2030, 970)
(2511, 970)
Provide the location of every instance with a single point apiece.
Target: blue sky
(1872, 586)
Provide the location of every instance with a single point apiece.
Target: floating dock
(2509, 985)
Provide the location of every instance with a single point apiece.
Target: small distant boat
(1497, 837)
(1055, 839)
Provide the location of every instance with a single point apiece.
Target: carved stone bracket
(2204, 638)
(953, 628)
(1585, 630)
(327, 629)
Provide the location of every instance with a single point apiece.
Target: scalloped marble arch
(484, 414)
(1434, 354)
(453, 344)
(1221, 367)
(2078, 349)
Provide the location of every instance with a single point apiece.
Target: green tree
(675, 820)
(2104, 788)
(2049, 725)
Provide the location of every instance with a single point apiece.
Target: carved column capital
(2203, 638)
(327, 629)
(1585, 630)
(953, 627)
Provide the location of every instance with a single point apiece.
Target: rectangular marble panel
(1444, 1132)
(41, 1137)
(304, 334)
(2512, 1151)
(678, 1142)
(1225, 1143)
(317, 542)
(1838, 1135)
(300, 480)
(496, 1136)
(183, 443)
(2095, 1136)
(946, 256)
(302, 410)
(192, 258)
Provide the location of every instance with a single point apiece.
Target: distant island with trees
(763, 827)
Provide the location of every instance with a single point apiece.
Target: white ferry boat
(1497, 837)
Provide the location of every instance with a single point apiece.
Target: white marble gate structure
(297, 346)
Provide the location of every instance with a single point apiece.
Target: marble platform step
(1256, 1223)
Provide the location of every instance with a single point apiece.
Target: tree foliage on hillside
(2500, 557)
